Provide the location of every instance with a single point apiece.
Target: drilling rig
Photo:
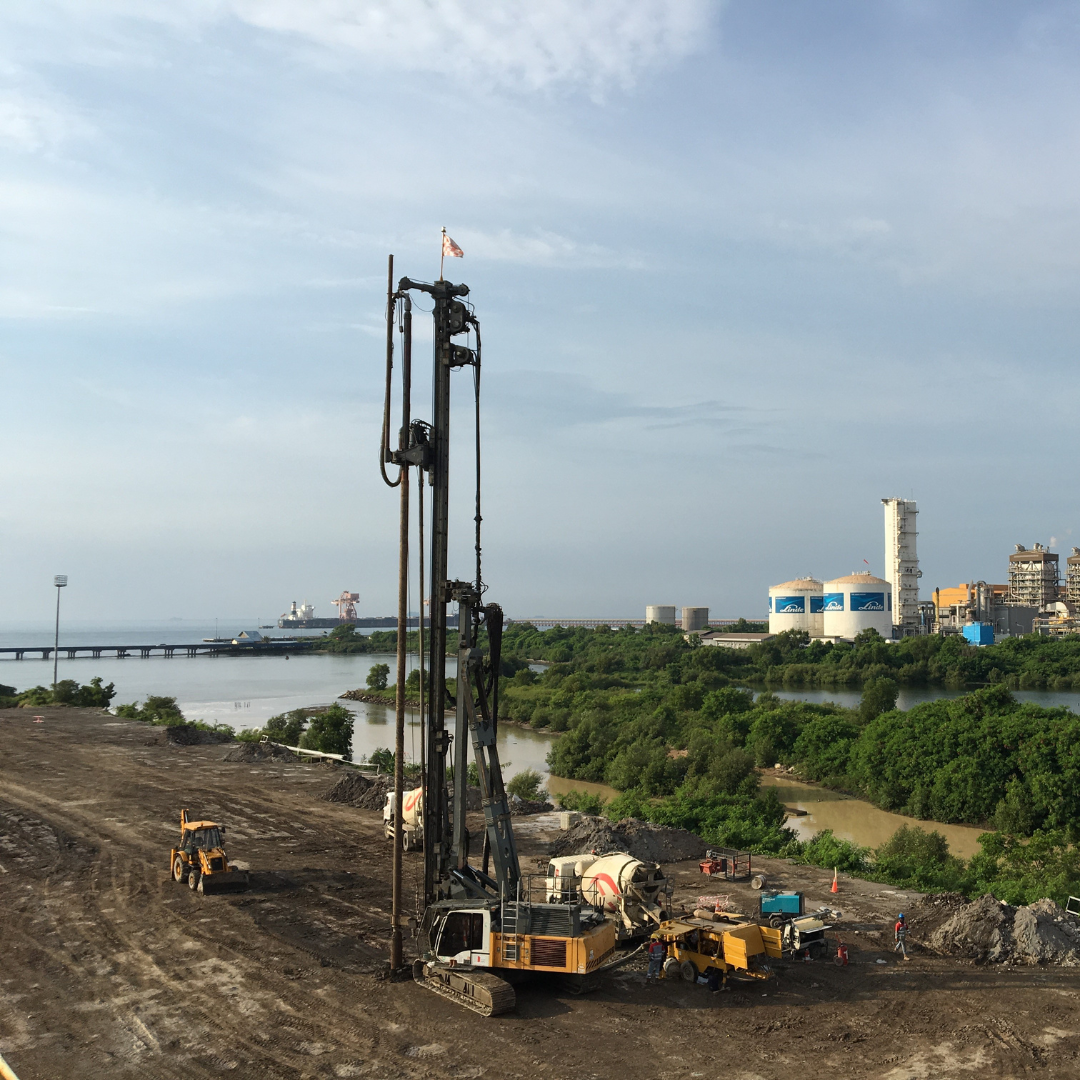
(480, 927)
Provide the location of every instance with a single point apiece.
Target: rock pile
(642, 839)
(989, 931)
(520, 806)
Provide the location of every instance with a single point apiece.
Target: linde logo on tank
(832, 601)
(790, 605)
(867, 601)
(817, 605)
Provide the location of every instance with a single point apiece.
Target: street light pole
(59, 581)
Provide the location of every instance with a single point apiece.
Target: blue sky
(743, 269)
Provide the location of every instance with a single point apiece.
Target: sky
(742, 269)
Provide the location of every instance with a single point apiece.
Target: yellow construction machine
(731, 944)
(200, 859)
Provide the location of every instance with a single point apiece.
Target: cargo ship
(302, 617)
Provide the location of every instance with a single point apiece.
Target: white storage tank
(661, 613)
(796, 605)
(695, 618)
(855, 603)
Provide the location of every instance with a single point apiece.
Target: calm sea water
(244, 691)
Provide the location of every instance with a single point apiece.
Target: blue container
(979, 633)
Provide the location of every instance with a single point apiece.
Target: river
(245, 691)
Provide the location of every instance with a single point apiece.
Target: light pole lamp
(59, 581)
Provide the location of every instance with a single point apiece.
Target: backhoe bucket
(231, 881)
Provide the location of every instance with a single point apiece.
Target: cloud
(543, 248)
(31, 124)
(507, 42)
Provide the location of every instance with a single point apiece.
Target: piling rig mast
(476, 920)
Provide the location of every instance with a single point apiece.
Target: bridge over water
(201, 648)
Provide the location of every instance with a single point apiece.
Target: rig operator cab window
(465, 937)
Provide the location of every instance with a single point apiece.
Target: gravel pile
(253, 751)
(642, 839)
(990, 931)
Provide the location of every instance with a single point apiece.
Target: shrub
(584, 802)
(286, 727)
(527, 785)
(917, 859)
(828, 851)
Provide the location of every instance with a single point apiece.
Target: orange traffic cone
(835, 888)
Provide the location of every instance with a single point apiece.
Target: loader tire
(193, 879)
(179, 870)
(671, 968)
(689, 972)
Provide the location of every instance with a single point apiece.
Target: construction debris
(642, 839)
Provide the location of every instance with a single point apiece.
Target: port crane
(346, 606)
(480, 927)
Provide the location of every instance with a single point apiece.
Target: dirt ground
(108, 968)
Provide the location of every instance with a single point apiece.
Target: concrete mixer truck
(633, 894)
(412, 819)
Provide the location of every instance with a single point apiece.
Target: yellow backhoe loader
(200, 859)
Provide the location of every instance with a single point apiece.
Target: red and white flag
(450, 248)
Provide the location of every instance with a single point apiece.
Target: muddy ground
(108, 968)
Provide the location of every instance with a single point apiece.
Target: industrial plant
(1033, 600)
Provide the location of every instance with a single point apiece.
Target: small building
(979, 633)
(733, 641)
(247, 637)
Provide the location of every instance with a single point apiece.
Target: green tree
(286, 727)
(330, 731)
(377, 676)
(879, 695)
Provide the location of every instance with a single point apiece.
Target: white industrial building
(797, 605)
(855, 603)
(902, 562)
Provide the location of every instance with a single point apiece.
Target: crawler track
(479, 991)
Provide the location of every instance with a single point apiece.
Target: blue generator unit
(979, 633)
(778, 907)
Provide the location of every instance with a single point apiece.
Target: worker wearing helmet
(900, 934)
(656, 959)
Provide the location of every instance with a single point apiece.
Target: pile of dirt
(190, 735)
(254, 751)
(356, 789)
(642, 839)
(520, 806)
(990, 931)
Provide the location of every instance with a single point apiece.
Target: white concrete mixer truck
(633, 894)
(412, 818)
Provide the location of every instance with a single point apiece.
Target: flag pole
(442, 253)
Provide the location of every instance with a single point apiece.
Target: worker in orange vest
(656, 960)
